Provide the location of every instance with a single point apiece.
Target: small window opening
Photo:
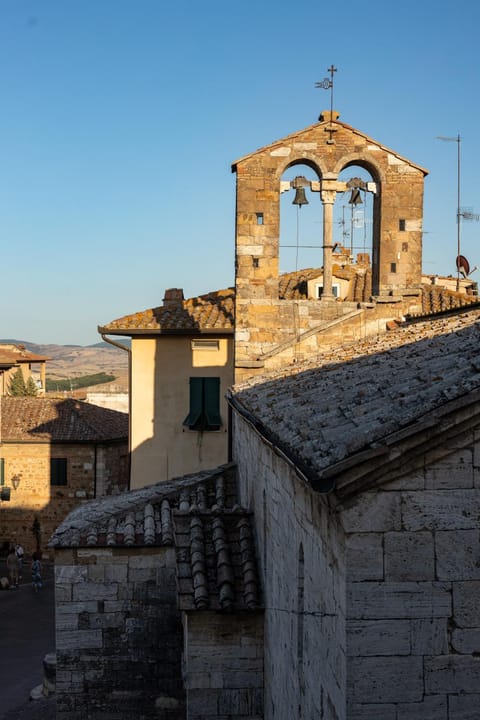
(335, 290)
(405, 247)
(256, 262)
(401, 225)
(259, 218)
(393, 267)
(58, 471)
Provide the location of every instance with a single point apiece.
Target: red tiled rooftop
(211, 312)
(215, 311)
(32, 419)
(14, 354)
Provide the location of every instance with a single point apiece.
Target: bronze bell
(355, 197)
(300, 197)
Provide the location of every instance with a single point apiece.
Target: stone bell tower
(266, 324)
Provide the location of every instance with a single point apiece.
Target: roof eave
(385, 458)
(159, 331)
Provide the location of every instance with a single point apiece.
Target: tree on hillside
(19, 388)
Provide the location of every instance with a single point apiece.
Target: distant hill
(69, 361)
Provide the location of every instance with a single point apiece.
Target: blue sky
(120, 120)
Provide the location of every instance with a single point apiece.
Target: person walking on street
(12, 567)
(36, 572)
(20, 553)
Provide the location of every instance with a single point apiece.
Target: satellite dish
(463, 266)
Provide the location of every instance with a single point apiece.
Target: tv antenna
(461, 212)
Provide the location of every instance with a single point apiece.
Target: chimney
(173, 298)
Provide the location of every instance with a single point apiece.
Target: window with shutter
(204, 411)
(2, 471)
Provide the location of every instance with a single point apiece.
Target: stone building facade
(179, 350)
(55, 455)
(14, 357)
(362, 474)
(158, 608)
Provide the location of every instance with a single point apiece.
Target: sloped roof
(212, 312)
(39, 419)
(14, 354)
(199, 516)
(358, 397)
(297, 135)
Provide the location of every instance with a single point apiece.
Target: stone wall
(224, 666)
(303, 577)
(90, 471)
(320, 331)
(413, 631)
(119, 635)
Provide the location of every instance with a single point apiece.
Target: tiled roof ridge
(199, 516)
(102, 510)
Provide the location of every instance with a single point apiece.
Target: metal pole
(458, 213)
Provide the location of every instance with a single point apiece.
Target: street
(27, 634)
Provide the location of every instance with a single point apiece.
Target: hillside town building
(55, 455)
(330, 569)
(13, 357)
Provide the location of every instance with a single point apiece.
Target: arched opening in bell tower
(353, 215)
(356, 228)
(301, 218)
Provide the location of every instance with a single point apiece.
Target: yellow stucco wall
(161, 446)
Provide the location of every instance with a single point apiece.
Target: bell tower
(266, 324)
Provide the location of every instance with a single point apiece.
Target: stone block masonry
(224, 666)
(413, 628)
(118, 627)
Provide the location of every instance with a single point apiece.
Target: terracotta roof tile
(213, 311)
(14, 354)
(199, 516)
(38, 419)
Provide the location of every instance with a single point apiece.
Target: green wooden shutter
(2, 471)
(212, 403)
(196, 402)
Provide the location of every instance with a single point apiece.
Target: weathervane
(327, 84)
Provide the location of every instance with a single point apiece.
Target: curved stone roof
(199, 516)
(39, 419)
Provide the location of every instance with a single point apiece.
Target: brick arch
(366, 161)
(310, 160)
